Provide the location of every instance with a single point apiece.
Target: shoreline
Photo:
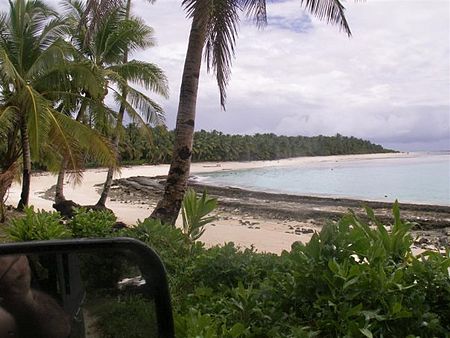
(272, 222)
(246, 218)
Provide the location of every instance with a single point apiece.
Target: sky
(389, 82)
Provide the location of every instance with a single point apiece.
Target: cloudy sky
(388, 83)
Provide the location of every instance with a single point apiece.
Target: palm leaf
(220, 42)
(331, 11)
(256, 10)
(149, 110)
(76, 135)
(145, 74)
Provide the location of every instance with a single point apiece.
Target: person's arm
(35, 313)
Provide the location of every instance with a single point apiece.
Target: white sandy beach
(268, 235)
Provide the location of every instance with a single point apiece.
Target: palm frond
(220, 42)
(53, 30)
(33, 105)
(331, 11)
(119, 35)
(94, 13)
(51, 56)
(145, 74)
(9, 118)
(198, 9)
(255, 10)
(7, 69)
(74, 77)
(69, 135)
(136, 118)
(150, 111)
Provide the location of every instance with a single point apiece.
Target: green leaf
(237, 330)
(366, 332)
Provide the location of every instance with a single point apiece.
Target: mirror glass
(101, 293)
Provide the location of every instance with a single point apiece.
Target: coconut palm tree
(35, 68)
(213, 33)
(106, 50)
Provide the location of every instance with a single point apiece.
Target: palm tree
(213, 32)
(157, 83)
(35, 67)
(106, 50)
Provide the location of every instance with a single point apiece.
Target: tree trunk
(169, 206)
(116, 137)
(115, 141)
(26, 157)
(59, 189)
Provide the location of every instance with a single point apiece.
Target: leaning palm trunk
(116, 137)
(26, 158)
(115, 141)
(59, 189)
(169, 206)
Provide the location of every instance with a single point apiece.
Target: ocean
(423, 178)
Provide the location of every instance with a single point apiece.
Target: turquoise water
(421, 179)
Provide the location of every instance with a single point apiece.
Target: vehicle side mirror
(83, 288)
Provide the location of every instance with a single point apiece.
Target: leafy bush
(353, 279)
(194, 211)
(90, 223)
(36, 226)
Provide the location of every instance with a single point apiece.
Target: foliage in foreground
(350, 280)
(194, 211)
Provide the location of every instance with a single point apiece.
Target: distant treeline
(216, 146)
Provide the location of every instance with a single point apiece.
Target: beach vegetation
(105, 46)
(354, 278)
(37, 225)
(88, 223)
(214, 146)
(40, 76)
(194, 211)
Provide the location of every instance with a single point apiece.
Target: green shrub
(90, 223)
(227, 265)
(353, 279)
(36, 226)
(194, 211)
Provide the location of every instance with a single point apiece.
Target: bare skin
(34, 313)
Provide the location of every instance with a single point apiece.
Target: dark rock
(66, 208)
(119, 226)
(422, 240)
(307, 231)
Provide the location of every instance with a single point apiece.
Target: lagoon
(423, 178)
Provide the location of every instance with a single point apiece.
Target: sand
(246, 229)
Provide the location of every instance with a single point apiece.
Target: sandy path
(270, 235)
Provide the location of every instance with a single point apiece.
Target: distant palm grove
(217, 146)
